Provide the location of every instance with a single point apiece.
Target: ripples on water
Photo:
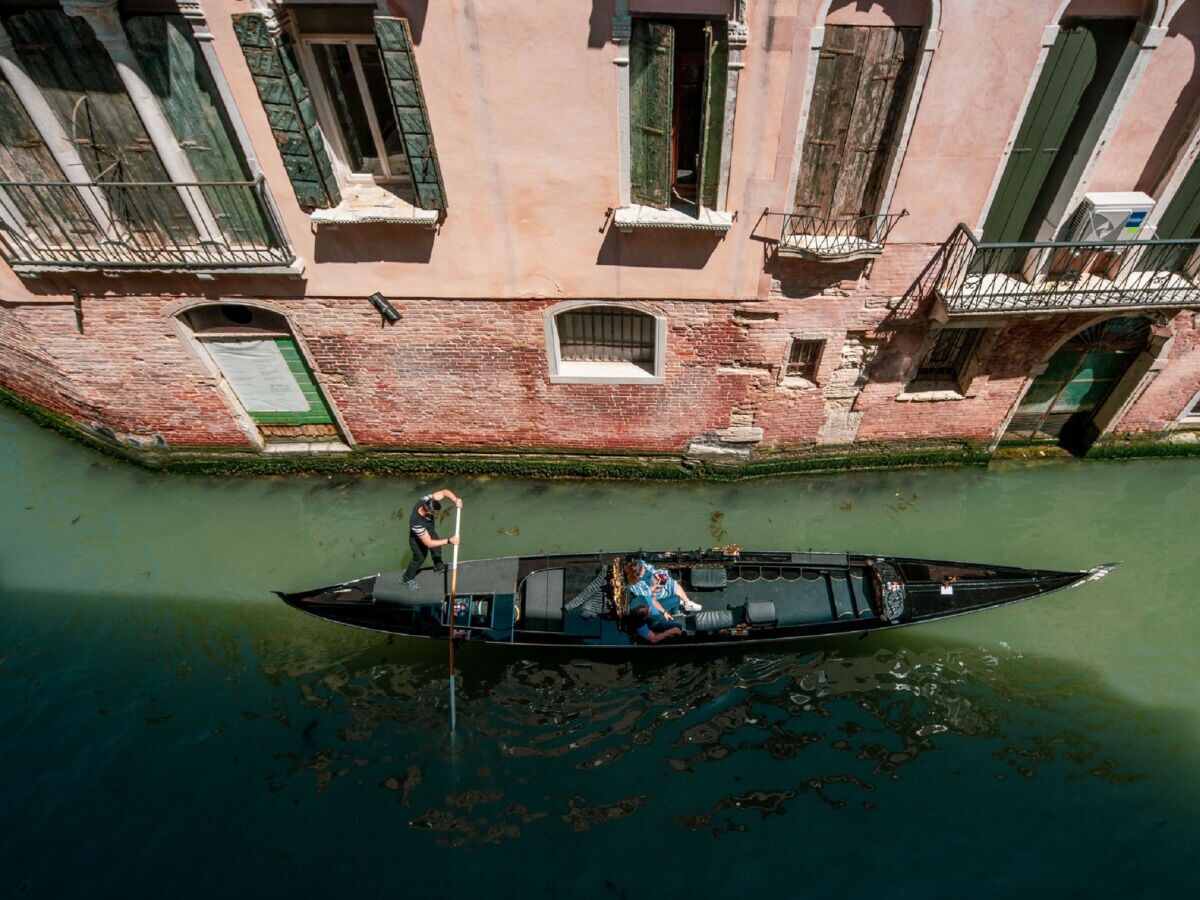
(731, 740)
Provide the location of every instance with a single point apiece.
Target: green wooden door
(1062, 402)
(177, 73)
(1074, 78)
(651, 87)
(863, 76)
(42, 217)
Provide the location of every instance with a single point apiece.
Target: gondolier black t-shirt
(419, 524)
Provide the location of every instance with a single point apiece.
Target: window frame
(952, 386)
(184, 317)
(788, 378)
(629, 215)
(327, 118)
(566, 371)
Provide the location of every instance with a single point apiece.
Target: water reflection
(844, 719)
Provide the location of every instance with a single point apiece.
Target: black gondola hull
(578, 600)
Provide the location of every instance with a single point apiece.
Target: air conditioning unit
(1110, 216)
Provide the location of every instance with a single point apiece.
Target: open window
(678, 77)
(344, 97)
(604, 343)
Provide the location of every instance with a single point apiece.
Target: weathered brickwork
(541, 212)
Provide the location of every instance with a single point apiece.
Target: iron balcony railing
(837, 239)
(1048, 276)
(163, 226)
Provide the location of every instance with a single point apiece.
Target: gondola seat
(543, 596)
(761, 613)
(708, 578)
(711, 620)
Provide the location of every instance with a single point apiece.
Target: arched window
(261, 362)
(604, 343)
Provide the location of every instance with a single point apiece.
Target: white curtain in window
(259, 375)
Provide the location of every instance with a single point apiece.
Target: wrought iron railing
(145, 225)
(974, 277)
(818, 237)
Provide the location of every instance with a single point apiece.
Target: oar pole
(453, 585)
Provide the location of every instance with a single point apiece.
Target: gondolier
(422, 534)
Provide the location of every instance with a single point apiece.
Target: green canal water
(169, 729)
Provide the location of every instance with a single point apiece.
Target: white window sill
(602, 373)
(364, 204)
(628, 218)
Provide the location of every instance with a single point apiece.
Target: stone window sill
(369, 204)
(628, 218)
(574, 372)
(305, 447)
(929, 396)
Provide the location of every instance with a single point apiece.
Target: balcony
(975, 279)
(124, 226)
(835, 240)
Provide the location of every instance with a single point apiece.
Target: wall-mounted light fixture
(385, 309)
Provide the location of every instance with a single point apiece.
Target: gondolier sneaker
(412, 584)
(690, 606)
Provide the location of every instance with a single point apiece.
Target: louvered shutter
(861, 82)
(716, 78)
(408, 100)
(290, 111)
(651, 85)
(888, 61)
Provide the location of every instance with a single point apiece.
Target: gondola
(581, 600)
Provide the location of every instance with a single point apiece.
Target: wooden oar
(453, 585)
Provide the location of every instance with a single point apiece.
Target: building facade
(706, 231)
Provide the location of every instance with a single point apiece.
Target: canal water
(170, 729)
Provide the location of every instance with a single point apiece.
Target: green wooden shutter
(408, 100)
(716, 78)
(289, 110)
(1182, 217)
(1073, 80)
(651, 85)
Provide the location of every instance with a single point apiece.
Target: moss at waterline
(541, 463)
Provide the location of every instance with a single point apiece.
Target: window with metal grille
(606, 334)
(803, 358)
(946, 361)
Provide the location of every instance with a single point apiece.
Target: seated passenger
(650, 628)
(657, 589)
